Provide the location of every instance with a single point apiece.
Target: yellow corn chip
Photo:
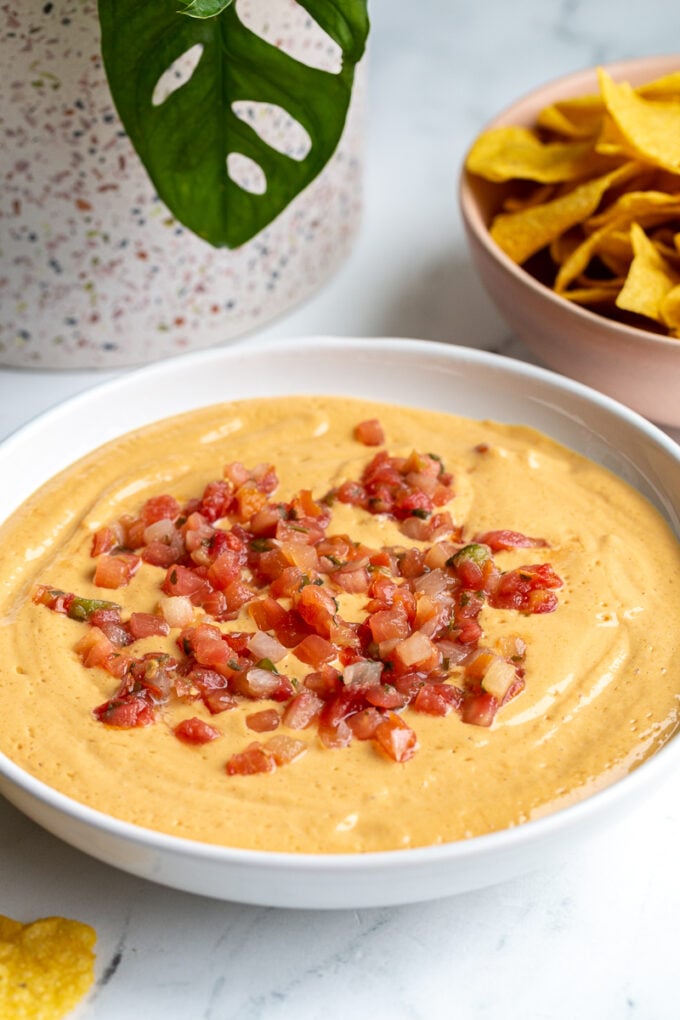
(615, 251)
(650, 126)
(522, 234)
(563, 246)
(650, 278)
(604, 205)
(578, 261)
(510, 153)
(537, 196)
(637, 205)
(45, 967)
(573, 118)
(670, 310)
(667, 87)
(594, 295)
(581, 117)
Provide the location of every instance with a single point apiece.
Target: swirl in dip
(599, 690)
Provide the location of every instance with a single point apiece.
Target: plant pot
(95, 272)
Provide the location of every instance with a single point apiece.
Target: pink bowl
(638, 367)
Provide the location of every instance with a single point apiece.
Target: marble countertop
(592, 937)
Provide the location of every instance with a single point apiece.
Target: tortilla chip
(667, 87)
(650, 206)
(563, 246)
(516, 153)
(522, 234)
(650, 127)
(650, 278)
(579, 118)
(594, 295)
(670, 311)
(597, 191)
(536, 196)
(45, 967)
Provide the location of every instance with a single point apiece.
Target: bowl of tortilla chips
(571, 204)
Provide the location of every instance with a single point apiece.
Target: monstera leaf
(184, 141)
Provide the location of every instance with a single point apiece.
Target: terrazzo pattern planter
(94, 270)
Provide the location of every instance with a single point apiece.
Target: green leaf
(205, 8)
(184, 142)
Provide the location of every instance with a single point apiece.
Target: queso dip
(596, 667)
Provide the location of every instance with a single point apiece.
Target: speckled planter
(94, 271)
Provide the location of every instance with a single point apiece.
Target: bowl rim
(475, 224)
(537, 830)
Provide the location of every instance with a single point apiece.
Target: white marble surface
(595, 937)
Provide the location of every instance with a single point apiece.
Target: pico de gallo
(245, 580)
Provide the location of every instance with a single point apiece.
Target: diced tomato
(237, 594)
(288, 581)
(437, 698)
(396, 738)
(224, 569)
(106, 539)
(250, 761)
(195, 731)
(181, 580)
(159, 508)
(314, 650)
(267, 613)
(503, 539)
(363, 724)
(479, 709)
(115, 570)
(208, 647)
(325, 682)
(285, 749)
(385, 696)
(263, 523)
(263, 722)
(528, 589)
(125, 713)
(95, 648)
(217, 499)
(219, 700)
(249, 500)
(301, 710)
(352, 579)
(142, 625)
(387, 624)
(292, 629)
(317, 607)
(370, 432)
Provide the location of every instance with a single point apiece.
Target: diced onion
(261, 682)
(177, 610)
(264, 646)
(498, 678)
(365, 672)
(160, 531)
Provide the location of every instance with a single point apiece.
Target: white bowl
(413, 372)
(634, 365)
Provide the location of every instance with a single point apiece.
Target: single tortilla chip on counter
(45, 967)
